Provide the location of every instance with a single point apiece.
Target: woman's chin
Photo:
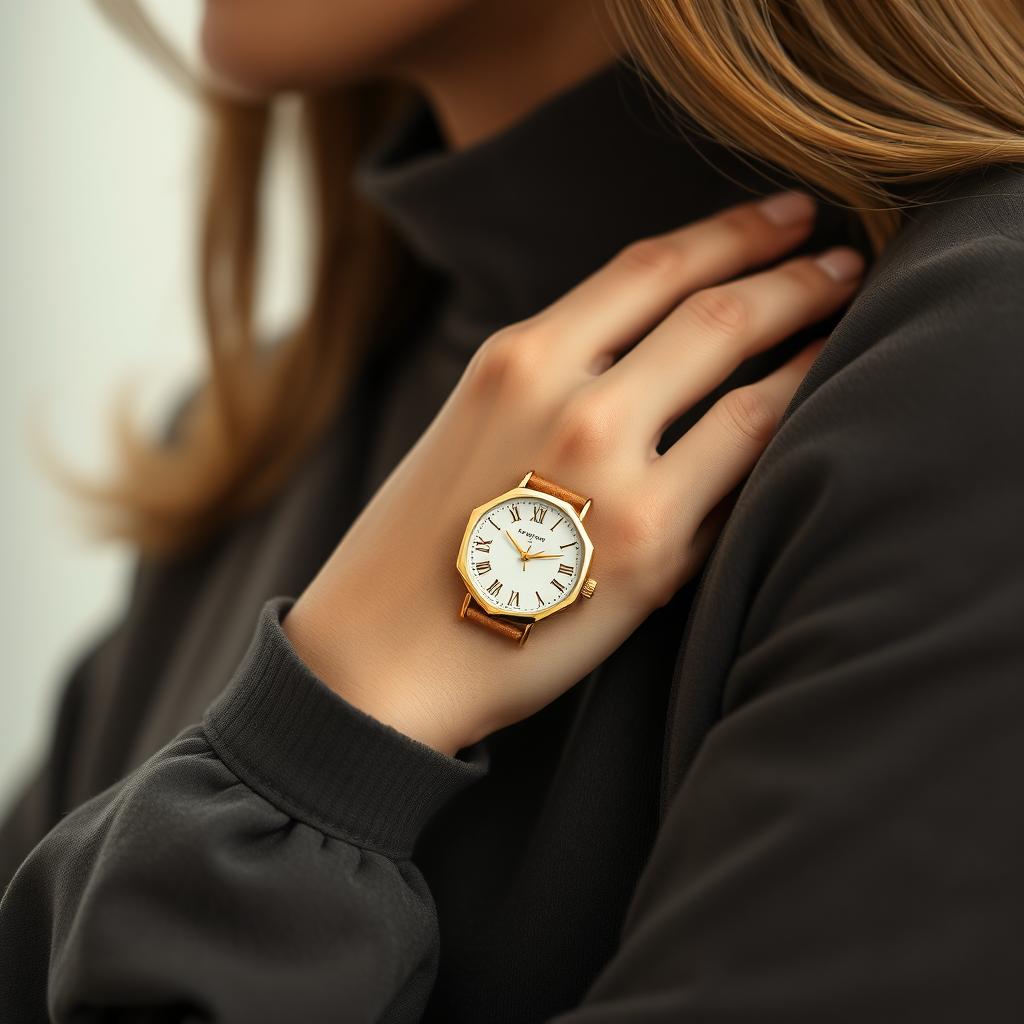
(233, 56)
(265, 46)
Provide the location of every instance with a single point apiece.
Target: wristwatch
(524, 556)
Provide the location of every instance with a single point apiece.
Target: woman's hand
(581, 393)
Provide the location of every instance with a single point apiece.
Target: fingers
(718, 452)
(609, 310)
(700, 344)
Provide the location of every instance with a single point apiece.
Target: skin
(624, 354)
(483, 64)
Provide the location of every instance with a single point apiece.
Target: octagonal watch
(525, 555)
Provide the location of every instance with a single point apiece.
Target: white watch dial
(524, 555)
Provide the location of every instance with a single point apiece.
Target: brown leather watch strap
(538, 483)
(508, 628)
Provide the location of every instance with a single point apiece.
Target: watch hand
(543, 556)
(514, 544)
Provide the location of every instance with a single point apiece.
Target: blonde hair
(866, 100)
(240, 435)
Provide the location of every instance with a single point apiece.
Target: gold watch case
(574, 591)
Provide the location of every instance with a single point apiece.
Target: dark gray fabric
(790, 796)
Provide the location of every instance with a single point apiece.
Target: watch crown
(588, 588)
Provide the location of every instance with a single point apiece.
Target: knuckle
(587, 428)
(656, 255)
(747, 415)
(509, 360)
(721, 311)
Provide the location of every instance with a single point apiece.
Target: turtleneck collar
(516, 220)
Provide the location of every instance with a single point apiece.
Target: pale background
(97, 238)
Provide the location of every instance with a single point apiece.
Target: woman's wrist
(392, 695)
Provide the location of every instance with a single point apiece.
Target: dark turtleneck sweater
(791, 795)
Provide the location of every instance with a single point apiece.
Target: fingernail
(784, 209)
(842, 264)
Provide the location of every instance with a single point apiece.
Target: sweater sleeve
(257, 868)
(846, 843)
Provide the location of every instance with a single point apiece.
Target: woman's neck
(493, 62)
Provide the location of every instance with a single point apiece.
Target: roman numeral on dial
(514, 512)
(565, 570)
(539, 512)
(482, 566)
(513, 599)
(558, 586)
(494, 589)
(483, 546)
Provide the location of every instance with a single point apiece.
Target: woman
(294, 783)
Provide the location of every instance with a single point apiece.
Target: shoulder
(889, 499)
(903, 441)
(936, 335)
(957, 263)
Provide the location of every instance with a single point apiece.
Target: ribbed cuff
(319, 758)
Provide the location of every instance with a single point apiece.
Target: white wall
(97, 198)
